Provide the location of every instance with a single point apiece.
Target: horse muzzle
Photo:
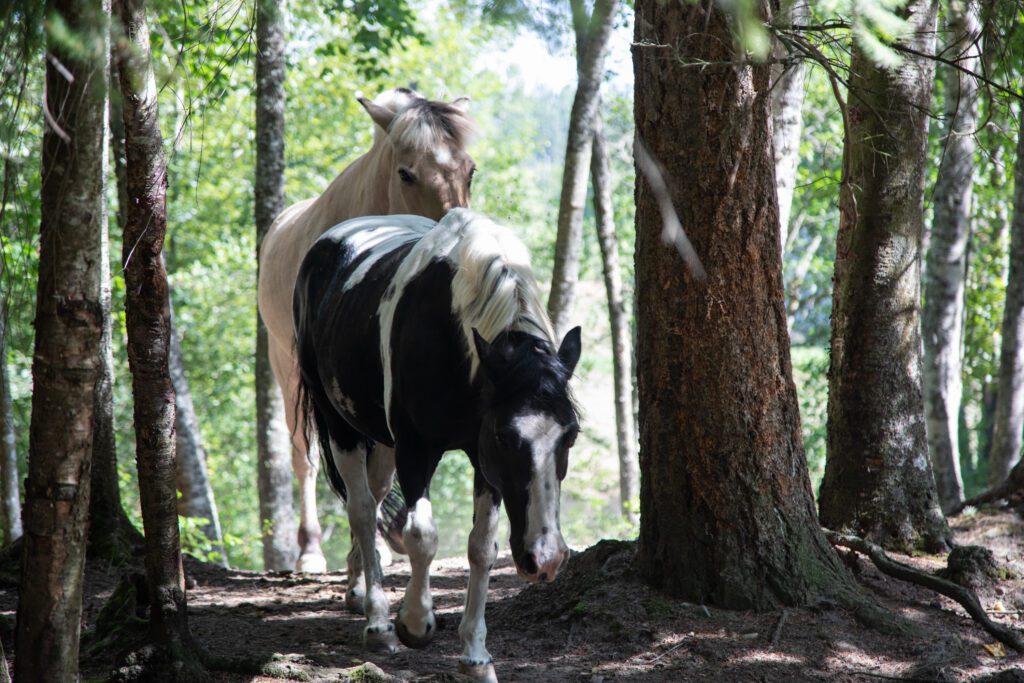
(543, 559)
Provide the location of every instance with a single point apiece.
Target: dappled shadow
(597, 620)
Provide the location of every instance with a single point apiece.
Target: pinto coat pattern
(429, 338)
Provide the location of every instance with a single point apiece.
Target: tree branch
(967, 598)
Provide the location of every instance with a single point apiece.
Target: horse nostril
(530, 563)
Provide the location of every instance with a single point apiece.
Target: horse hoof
(354, 602)
(413, 641)
(311, 563)
(483, 672)
(381, 639)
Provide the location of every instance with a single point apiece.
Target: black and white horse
(430, 337)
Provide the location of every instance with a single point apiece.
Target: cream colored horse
(417, 165)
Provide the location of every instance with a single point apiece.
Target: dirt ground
(597, 629)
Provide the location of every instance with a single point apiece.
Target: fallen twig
(962, 595)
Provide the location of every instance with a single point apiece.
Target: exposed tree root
(904, 572)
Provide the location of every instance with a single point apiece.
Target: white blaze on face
(543, 535)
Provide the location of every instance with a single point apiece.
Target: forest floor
(595, 623)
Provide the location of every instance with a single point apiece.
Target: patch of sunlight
(766, 657)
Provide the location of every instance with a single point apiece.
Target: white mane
(494, 289)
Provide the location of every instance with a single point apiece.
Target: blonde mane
(494, 289)
(423, 124)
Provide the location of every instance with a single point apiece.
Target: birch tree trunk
(193, 480)
(1009, 415)
(878, 481)
(67, 364)
(622, 351)
(148, 325)
(568, 242)
(787, 117)
(280, 549)
(10, 481)
(727, 516)
(946, 262)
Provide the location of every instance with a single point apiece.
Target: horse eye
(472, 172)
(407, 177)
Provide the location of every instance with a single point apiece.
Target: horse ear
(461, 103)
(569, 351)
(382, 116)
(484, 351)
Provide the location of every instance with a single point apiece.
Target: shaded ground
(596, 623)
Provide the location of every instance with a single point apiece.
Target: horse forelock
(424, 124)
(493, 290)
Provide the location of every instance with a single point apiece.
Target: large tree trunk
(1009, 415)
(67, 363)
(193, 480)
(148, 327)
(10, 481)
(878, 480)
(275, 471)
(787, 116)
(591, 46)
(622, 351)
(946, 263)
(726, 511)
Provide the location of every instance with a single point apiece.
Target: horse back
(338, 292)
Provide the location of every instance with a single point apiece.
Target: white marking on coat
(543, 537)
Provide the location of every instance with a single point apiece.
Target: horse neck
(360, 190)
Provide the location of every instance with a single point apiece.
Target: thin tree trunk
(148, 326)
(622, 352)
(787, 117)
(67, 363)
(192, 481)
(192, 478)
(878, 481)
(946, 264)
(110, 531)
(10, 481)
(568, 242)
(727, 515)
(1009, 415)
(275, 470)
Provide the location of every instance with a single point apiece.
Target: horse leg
(379, 634)
(476, 661)
(305, 464)
(380, 473)
(415, 623)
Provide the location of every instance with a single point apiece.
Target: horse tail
(311, 395)
(391, 520)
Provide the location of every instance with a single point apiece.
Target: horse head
(430, 171)
(529, 424)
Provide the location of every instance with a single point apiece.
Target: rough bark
(193, 480)
(277, 515)
(727, 515)
(946, 261)
(878, 480)
(148, 327)
(67, 363)
(1009, 415)
(622, 348)
(10, 481)
(787, 116)
(592, 46)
